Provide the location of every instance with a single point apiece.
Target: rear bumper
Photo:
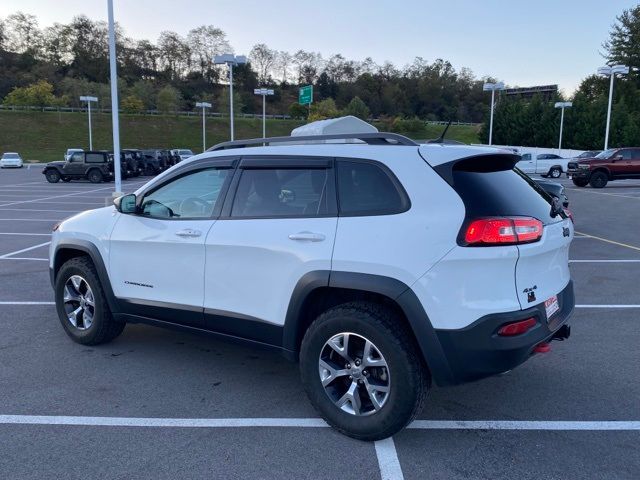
(477, 351)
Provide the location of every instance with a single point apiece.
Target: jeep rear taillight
(503, 231)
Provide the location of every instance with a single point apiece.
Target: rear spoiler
(477, 163)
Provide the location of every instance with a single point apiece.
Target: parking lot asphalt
(160, 404)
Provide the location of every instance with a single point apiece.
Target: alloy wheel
(354, 374)
(79, 302)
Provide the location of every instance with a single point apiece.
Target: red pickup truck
(612, 164)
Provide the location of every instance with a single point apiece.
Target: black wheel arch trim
(88, 248)
(395, 290)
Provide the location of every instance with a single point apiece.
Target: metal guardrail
(182, 113)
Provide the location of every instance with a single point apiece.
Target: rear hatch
(490, 187)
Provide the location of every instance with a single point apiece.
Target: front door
(527, 163)
(75, 165)
(157, 256)
(281, 226)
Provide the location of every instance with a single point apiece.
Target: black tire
(409, 378)
(580, 182)
(95, 176)
(598, 179)
(52, 176)
(103, 328)
(555, 172)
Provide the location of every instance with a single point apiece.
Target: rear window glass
(366, 189)
(502, 192)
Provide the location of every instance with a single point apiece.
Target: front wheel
(580, 182)
(555, 172)
(363, 371)
(82, 306)
(598, 179)
(52, 176)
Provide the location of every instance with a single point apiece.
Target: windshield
(607, 153)
(10, 155)
(185, 152)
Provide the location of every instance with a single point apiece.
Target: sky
(523, 43)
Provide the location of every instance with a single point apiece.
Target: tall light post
(264, 92)
(88, 99)
(114, 102)
(562, 106)
(203, 105)
(492, 87)
(231, 60)
(611, 72)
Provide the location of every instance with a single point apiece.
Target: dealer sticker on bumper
(551, 306)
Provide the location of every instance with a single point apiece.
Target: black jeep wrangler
(95, 166)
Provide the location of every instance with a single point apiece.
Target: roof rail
(381, 138)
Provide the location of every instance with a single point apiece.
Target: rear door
(279, 226)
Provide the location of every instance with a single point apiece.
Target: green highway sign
(305, 95)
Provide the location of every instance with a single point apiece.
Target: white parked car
(11, 160)
(369, 263)
(544, 164)
(70, 152)
(182, 153)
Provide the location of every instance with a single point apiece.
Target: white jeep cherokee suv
(383, 265)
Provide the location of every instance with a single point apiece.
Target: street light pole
(492, 87)
(114, 102)
(611, 72)
(89, 99)
(230, 60)
(264, 92)
(562, 106)
(203, 105)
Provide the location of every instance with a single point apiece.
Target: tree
(174, 54)
(357, 108)
(23, 34)
(38, 94)
(205, 42)
(323, 110)
(262, 59)
(168, 99)
(623, 45)
(132, 104)
(282, 64)
(298, 111)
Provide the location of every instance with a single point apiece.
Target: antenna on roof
(440, 139)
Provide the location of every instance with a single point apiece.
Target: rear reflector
(517, 328)
(503, 230)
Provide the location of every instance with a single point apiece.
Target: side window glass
(281, 193)
(366, 189)
(94, 158)
(76, 157)
(526, 156)
(191, 196)
(626, 154)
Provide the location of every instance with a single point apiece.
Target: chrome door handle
(308, 236)
(188, 233)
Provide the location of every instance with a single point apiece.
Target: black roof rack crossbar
(382, 138)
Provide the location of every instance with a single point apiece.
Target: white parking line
(607, 425)
(24, 250)
(27, 234)
(27, 303)
(37, 210)
(57, 196)
(606, 261)
(388, 460)
(607, 306)
(25, 258)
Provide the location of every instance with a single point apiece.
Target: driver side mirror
(126, 203)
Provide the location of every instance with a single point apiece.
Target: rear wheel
(52, 176)
(82, 306)
(580, 182)
(555, 172)
(363, 371)
(598, 179)
(94, 176)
